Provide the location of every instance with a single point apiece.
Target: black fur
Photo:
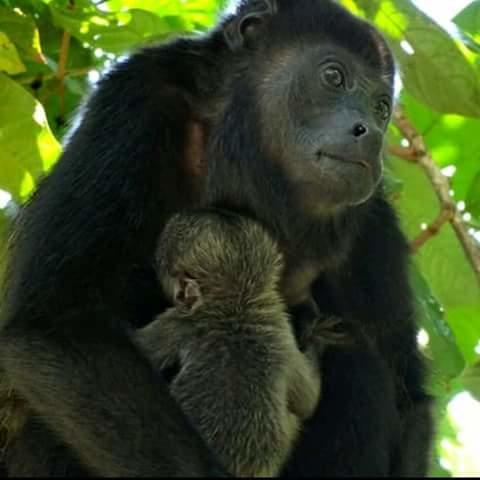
(88, 235)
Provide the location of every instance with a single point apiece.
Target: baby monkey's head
(212, 255)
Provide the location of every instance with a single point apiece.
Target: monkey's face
(316, 84)
(334, 112)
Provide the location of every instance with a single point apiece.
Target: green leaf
(22, 31)
(448, 362)
(368, 8)
(433, 67)
(441, 259)
(465, 322)
(471, 380)
(451, 140)
(9, 59)
(193, 13)
(140, 27)
(473, 197)
(27, 147)
(469, 19)
(113, 32)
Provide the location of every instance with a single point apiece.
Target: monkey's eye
(333, 76)
(382, 109)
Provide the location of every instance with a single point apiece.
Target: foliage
(49, 49)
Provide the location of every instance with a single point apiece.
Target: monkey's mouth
(321, 154)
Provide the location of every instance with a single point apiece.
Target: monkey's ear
(187, 294)
(246, 26)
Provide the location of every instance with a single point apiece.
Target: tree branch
(74, 72)
(406, 153)
(443, 217)
(61, 69)
(418, 153)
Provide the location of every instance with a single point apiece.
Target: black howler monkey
(229, 330)
(280, 111)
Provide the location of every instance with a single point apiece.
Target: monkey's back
(248, 425)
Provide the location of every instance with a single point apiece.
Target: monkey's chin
(333, 191)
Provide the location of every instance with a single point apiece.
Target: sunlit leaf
(9, 59)
(22, 31)
(469, 19)
(432, 65)
(451, 140)
(471, 380)
(27, 146)
(465, 321)
(140, 27)
(116, 32)
(441, 259)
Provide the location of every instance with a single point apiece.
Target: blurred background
(53, 51)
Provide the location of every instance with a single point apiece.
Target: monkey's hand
(313, 327)
(160, 341)
(330, 330)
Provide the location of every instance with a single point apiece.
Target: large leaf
(441, 259)
(465, 321)
(113, 32)
(451, 140)
(448, 361)
(471, 380)
(473, 196)
(9, 59)
(22, 31)
(469, 20)
(195, 13)
(139, 27)
(27, 146)
(433, 67)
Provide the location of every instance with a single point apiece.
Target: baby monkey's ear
(187, 294)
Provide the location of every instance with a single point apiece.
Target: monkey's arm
(381, 261)
(63, 344)
(304, 383)
(96, 407)
(162, 339)
(374, 417)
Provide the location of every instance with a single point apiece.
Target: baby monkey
(243, 381)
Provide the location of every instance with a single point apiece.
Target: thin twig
(74, 72)
(441, 185)
(406, 153)
(443, 217)
(61, 69)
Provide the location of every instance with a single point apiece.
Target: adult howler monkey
(280, 112)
